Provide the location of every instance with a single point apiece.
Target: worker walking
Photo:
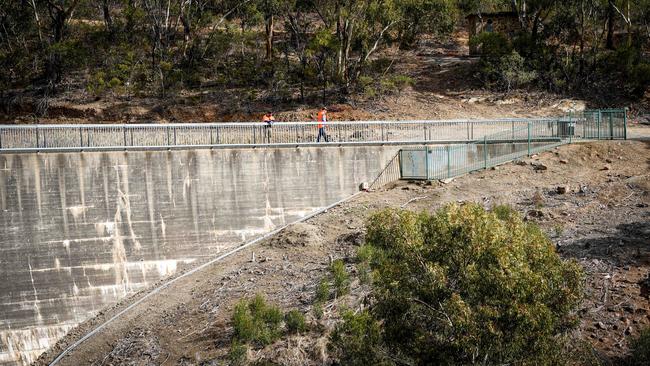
(268, 120)
(322, 120)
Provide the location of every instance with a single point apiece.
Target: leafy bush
(466, 285)
(340, 278)
(500, 64)
(357, 341)
(322, 291)
(295, 321)
(492, 46)
(513, 73)
(237, 355)
(641, 349)
(256, 322)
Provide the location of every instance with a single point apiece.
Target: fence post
(485, 152)
(528, 138)
(427, 172)
(81, 137)
(124, 134)
(624, 124)
(448, 162)
(174, 136)
(611, 126)
(38, 138)
(569, 131)
(598, 125)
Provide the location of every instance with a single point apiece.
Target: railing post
(598, 125)
(611, 126)
(211, 136)
(81, 137)
(124, 133)
(485, 152)
(38, 138)
(383, 138)
(624, 124)
(426, 163)
(569, 128)
(448, 162)
(174, 136)
(528, 138)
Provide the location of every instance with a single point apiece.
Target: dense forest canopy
(292, 49)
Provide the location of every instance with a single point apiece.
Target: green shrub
(318, 310)
(237, 354)
(295, 321)
(256, 321)
(322, 291)
(340, 278)
(465, 285)
(641, 349)
(357, 341)
(401, 82)
(512, 72)
(492, 46)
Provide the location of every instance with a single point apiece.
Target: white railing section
(88, 137)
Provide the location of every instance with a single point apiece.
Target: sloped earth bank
(592, 199)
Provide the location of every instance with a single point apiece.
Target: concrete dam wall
(80, 231)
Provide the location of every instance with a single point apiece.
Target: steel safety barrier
(451, 160)
(88, 137)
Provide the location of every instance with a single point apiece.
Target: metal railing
(447, 161)
(28, 138)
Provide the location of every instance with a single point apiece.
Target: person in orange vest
(268, 119)
(322, 120)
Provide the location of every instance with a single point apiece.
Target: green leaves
(465, 285)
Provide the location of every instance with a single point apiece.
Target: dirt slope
(603, 220)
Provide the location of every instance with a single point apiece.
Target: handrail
(111, 137)
(258, 124)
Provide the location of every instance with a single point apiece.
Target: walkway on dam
(597, 124)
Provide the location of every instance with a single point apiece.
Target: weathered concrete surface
(79, 231)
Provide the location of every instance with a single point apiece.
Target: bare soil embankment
(592, 199)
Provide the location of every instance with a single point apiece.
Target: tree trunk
(108, 21)
(38, 21)
(629, 25)
(269, 38)
(610, 24)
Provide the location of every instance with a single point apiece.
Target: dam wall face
(80, 231)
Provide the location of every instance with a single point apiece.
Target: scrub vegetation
(460, 286)
(294, 51)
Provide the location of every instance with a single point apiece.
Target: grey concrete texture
(80, 231)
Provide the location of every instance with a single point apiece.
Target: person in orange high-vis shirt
(322, 120)
(268, 120)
